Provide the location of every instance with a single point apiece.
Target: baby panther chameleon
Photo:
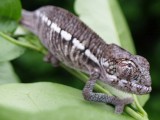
(73, 43)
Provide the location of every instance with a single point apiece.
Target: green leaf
(121, 27)
(10, 9)
(106, 19)
(39, 101)
(9, 51)
(10, 13)
(142, 99)
(7, 25)
(7, 74)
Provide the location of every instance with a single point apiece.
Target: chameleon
(71, 42)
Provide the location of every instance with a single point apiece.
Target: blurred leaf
(7, 74)
(10, 12)
(9, 51)
(7, 25)
(50, 101)
(10, 9)
(106, 19)
(121, 27)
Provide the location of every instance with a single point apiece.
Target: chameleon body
(73, 43)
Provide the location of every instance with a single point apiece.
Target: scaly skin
(71, 42)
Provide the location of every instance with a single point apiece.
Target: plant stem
(134, 114)
(22, 44)
(139, 107)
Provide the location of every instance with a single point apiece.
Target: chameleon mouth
(134, 87)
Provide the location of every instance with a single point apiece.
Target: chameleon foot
(121, 104)
(104, 98)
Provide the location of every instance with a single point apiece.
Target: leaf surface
(7, 74)
(10, 13)
(10, 9)
(9, 51)
(39, 101)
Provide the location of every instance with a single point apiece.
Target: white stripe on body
(104, 62)
(55, 27)
(78, 44)
(91, 56)
(67, 36)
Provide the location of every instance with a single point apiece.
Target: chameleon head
(129, 74)
(133, 75)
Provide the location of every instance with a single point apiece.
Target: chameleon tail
(27, 20)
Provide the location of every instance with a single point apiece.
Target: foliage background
(143, 19)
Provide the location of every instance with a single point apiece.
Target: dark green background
(143, 18)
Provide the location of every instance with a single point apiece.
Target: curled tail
(28, 20)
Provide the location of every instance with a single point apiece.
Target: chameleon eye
(125, 69)
(129, 65)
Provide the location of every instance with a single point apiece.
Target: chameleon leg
(51, 59)
(104, 98)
